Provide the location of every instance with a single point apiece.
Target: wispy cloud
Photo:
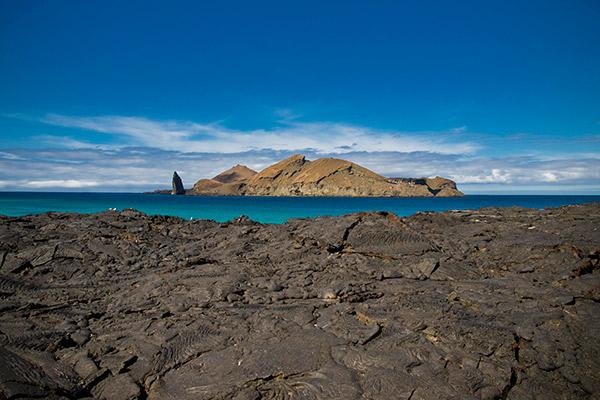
(60, 183)
(290, 135)
(10, 156)
(53, 141)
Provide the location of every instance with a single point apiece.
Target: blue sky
(502, 96)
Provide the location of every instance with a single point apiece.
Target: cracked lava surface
(487, 304)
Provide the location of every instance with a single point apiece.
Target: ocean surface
(262, 209)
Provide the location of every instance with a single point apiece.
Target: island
(297, 176)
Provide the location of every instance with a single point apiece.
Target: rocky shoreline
(486, 304)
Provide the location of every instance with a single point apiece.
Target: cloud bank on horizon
(137, 153)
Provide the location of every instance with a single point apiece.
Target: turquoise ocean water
(262, 209)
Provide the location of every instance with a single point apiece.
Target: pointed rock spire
(177, 184)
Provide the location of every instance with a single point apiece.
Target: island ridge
(297, 176)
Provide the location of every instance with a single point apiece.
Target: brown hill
(225, 182)
(296, 176)
(234, 174)
(205, 185)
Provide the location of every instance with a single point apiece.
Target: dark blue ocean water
(263, 209)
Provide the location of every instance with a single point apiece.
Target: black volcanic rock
(177, 184)
(488, 304)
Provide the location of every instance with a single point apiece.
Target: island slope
(297, 176)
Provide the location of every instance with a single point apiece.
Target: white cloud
(60, 183)
(9, 156)
(70, 143)
(493, 175)
(291, 135)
